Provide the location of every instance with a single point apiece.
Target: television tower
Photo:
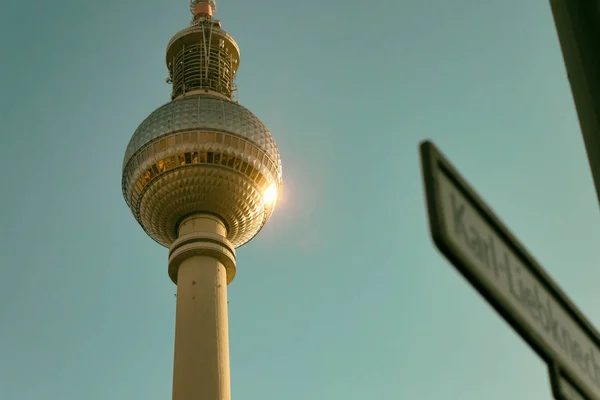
(201, 175)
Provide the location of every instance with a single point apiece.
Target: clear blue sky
(342, 295)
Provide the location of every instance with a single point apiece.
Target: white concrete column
(202, 262)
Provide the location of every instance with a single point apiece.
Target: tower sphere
(201, 154)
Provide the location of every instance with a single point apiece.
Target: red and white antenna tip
(203, 8)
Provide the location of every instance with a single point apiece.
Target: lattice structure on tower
(203, 58)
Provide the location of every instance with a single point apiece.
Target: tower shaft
(201, 362)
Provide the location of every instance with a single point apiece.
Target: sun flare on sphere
(270, 195)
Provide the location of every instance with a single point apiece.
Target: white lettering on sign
(504, 274)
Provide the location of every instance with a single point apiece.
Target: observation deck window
(253, 173)
(222, 157)
(231, 161)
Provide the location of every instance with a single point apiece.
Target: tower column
(201, 263)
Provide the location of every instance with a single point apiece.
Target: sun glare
(270, 195)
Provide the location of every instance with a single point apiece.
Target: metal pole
(578, 27)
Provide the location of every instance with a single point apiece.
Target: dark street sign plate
(484, 251)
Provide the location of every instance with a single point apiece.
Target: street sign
(562, 389)
(484, 251)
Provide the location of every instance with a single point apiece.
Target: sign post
(578, 28)
(486, 253)
(562, 389)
